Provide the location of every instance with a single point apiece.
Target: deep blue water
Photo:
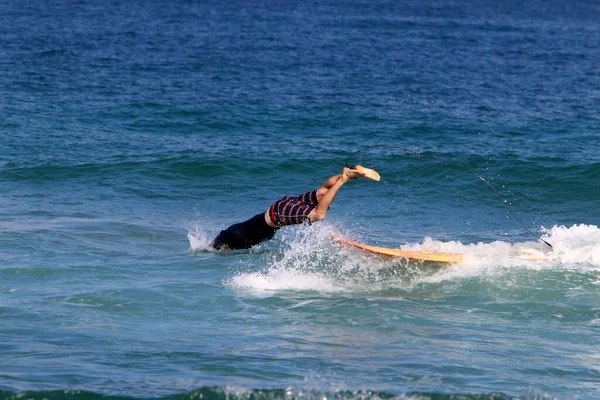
(132, 132)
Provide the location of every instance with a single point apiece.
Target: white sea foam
(302, 266)
(311, 261)
(276, 279)
(578, 244)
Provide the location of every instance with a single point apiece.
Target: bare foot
(351, 173)
(367, 172)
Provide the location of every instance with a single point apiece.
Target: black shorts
(245, 234)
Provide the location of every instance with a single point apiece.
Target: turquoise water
(131, 133)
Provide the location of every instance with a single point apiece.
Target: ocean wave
(155, 166)
(229, 393)
(307, 259)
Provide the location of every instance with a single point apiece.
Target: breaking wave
(311, 260)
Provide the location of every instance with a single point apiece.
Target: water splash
(200, 239)
(578, 244)
(311, 261)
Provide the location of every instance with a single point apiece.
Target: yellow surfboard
(435, 256)
(410, 254)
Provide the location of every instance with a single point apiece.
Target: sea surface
(132, 132)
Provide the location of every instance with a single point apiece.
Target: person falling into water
(306, 208)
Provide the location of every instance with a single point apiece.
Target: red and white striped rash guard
(293, 210)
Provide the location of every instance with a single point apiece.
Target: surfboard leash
(432, 157)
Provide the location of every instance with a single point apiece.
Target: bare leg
(352, 174)
(328, 194)
(326, 186)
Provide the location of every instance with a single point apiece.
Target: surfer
(306, 208)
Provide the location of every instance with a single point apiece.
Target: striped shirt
(293, 210)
